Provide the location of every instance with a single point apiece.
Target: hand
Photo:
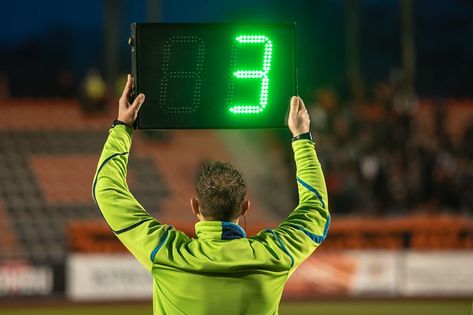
(127, 112)
(298, 121)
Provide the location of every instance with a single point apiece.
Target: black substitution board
(213, 75)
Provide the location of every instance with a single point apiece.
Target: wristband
(305, 136)
(119, 122)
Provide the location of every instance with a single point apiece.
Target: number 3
(252, 74)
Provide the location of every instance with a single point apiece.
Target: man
(222, 271)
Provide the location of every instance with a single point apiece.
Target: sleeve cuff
(125, 128)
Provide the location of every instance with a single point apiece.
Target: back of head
(220, 190)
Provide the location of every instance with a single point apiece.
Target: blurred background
(389, 89)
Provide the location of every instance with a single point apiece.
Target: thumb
(138, 101)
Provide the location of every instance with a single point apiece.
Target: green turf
(397, 307)
(427, 307)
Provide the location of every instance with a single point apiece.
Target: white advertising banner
(107, 276)
(346, 273)
(384, 274)
(438, 274)
(22, 279)
(377, 273)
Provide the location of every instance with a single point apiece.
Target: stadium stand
(49, 150)
(48, 154)
(9, 246)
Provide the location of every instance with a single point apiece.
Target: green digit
(252, 74)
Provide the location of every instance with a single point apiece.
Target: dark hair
(220, 189)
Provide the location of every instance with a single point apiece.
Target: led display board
(213, 75)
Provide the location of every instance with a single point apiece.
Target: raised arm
(136, 229)
(307, 226)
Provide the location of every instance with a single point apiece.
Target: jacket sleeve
(307, 226)
(141, 234)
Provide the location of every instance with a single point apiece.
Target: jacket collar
(221, 230)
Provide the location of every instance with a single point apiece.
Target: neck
(236, 221)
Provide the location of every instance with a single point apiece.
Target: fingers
(297, 105)
(138, 101)
(128, 85)
(294, 105)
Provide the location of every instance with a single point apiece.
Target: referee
(222, 271)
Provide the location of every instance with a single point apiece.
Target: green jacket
(221, 271)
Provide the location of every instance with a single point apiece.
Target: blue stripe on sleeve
(160, 244)
(312, 189)
(98, 172)
(131, 226)
(314, 237)
(282, 246)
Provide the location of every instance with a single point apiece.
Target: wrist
(121, 122)
(126, 121)
(122, 125)
(296, 132)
